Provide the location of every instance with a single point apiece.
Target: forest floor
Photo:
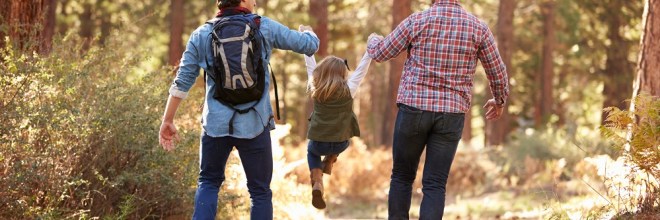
(494, 205)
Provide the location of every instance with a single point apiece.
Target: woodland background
(84, 84)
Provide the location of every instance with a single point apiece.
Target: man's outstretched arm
(391, 46)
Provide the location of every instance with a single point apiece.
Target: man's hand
(494, 111)
(302, 28)
(167, 135)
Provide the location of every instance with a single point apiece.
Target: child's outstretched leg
(316, 174)
(317, 188)
(328, 161)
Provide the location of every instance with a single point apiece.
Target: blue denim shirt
(215, 116)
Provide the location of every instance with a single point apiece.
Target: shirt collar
(446, 2)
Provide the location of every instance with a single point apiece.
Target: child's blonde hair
(329, 79)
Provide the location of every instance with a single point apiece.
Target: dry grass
(477, 187)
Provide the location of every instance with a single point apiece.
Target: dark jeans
(256, 156)
(415, 129)
(316, 149)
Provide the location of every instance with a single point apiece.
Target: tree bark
(544, 106)
(496, 131)
(400, 10)
(318, 10)
(23, 19)
(49, 25)
(648, 67)
(176, 33)
(86, 25)
(618, 70)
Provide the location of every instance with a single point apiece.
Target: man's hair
(228, 3)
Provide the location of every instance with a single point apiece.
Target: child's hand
(374, 36)
(302, 28)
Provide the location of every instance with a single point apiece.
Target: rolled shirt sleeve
(188, 67)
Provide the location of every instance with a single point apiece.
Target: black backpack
(238, 69)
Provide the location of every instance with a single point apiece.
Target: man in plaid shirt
(443, 44)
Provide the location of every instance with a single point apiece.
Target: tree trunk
(62, 27)
(400, 10)
(176, 32)
(545, 101)
(496, 131)
(22, 18)
(86, 26)
(618, 71)
(106, 24)
(648, 67)
(49, 25)
(318, 11)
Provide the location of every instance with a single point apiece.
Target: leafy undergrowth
(596, 187)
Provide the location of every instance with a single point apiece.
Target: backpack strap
(277, 99)
(240, 111)
(212, 21)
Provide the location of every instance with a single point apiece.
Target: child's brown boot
(328, 161)
(317, 188)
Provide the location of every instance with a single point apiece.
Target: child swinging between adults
(332, 122)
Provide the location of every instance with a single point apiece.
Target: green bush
(530, 151)
(79, 140)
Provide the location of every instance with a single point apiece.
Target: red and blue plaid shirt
(444, 44)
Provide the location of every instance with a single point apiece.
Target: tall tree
(176, 32)
(496, 131)
(105, 22)
(22, 19)
(400, 10)
(648, 67)
(49, 25)
(618, 70)
(318, 11)
(544, 103)
(87, 25)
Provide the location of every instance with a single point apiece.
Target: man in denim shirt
(251, 135)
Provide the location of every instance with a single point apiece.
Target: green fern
(644, 124)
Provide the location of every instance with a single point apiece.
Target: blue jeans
(414, 130)
(257, 158)
(316, 149)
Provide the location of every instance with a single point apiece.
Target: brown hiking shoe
(317, 188)
(328, 161)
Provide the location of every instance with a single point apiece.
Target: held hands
(302, 28)
(167, 135)
(494, 111)
(374, 36)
